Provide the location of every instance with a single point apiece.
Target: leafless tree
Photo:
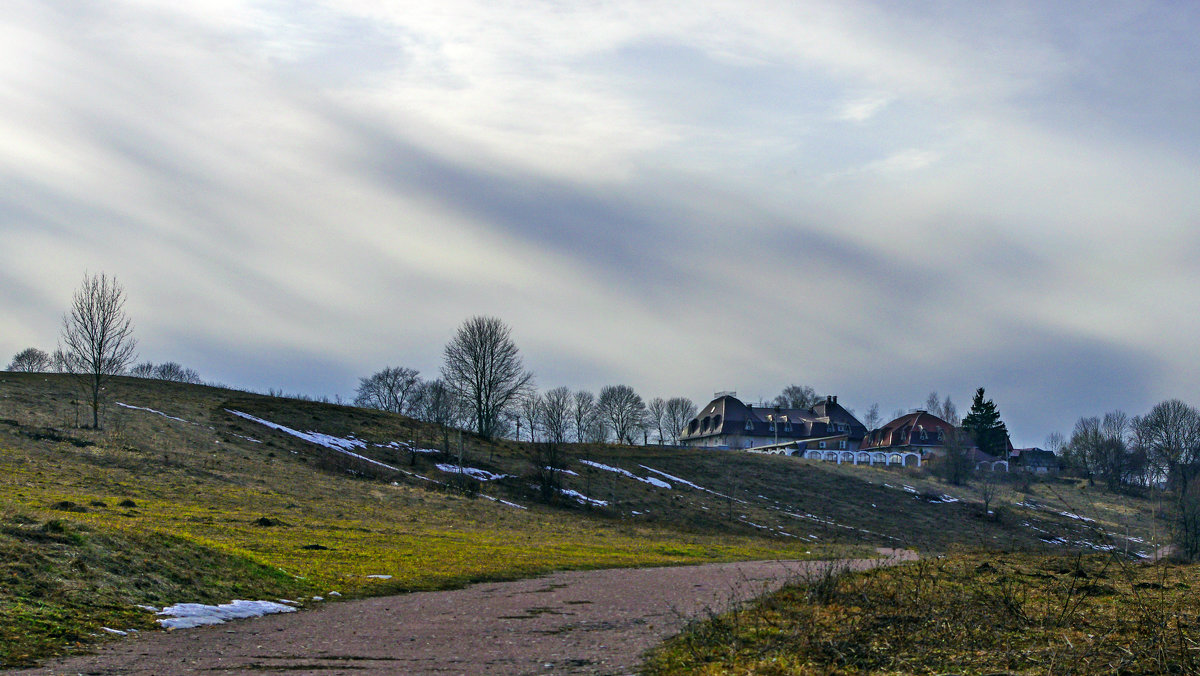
(30, 360)
(176, 373)
(872, 419)
(623, 409)
(656, 417)
(392, 389)
(583, 414)
(97, 337)
(556, 414)
(949, 412)
(796, 396)
(680, 410)
(142, 370)
(483, 366)
(933, 403)
(436, 403)
(529, 408)
(1055, 442)
(1170, 433)
(956, 464)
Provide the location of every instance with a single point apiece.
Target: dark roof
(906, 431)
(727, 415)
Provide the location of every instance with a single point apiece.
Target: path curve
(580, 622)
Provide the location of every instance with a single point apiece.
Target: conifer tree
(985, 427)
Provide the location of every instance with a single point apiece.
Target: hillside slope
(193, 493)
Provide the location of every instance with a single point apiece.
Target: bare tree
(483, 366)
(956, 464)
(583, 414)
(176, 373)
(933, 403)
(796, 396)
(622, 408)
(556, 414)
(393, 389)
(529, 408)
(142, 370)
(30, 360)
(680, 410)
(97, 337)
(1170, 433)
(436, 403)
(949, 412)
(656, 417)
(872, 419)
(1055, 442)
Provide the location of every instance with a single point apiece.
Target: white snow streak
(188, 615)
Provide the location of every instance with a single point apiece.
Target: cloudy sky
(876, 198)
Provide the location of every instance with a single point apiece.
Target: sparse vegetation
(967, 613)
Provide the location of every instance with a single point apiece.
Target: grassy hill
(193, 493)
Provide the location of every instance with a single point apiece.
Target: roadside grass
(968, 613)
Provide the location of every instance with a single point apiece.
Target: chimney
(835, 398)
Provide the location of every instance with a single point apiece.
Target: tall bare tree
(680, 410)
(623, 409)
(656, 417)
(583, 414)
(97, 337)
(393, 389)
(530, 409)
(556, 414)
(31, 360)
(872, 419)
(483, 366)
(436, 403)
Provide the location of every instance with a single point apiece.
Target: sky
(878, 199)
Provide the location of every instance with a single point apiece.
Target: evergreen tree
(985, 427)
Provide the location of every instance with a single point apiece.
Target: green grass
(975, 613)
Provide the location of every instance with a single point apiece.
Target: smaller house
(1035, 460)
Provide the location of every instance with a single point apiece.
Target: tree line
(483, 386)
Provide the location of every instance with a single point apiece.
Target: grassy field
(979, 613)
(179, 498)
(155, 510)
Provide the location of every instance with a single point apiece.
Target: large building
(727, 423)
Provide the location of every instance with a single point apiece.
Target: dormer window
(749, 425)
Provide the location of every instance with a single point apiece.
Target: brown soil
(584, 622)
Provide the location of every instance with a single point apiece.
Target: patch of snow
(380, 577)
(474, 473)
(150, 410)
(689, 484)
(289, 602)
(188, 615)
(318, 598)
(910, 489)
(503, 502)
(1077, 517)
(331, 442)
(118, 632)
(583, 499)
(333, 593)
(659, 483)
(150, 608)
(559, 469)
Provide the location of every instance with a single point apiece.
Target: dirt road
(585, 622)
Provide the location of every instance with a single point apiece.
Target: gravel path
(583, 622)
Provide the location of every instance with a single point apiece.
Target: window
(749, 425)
(820, 444)
(924, 435)
(842, 444)
(787, 427)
